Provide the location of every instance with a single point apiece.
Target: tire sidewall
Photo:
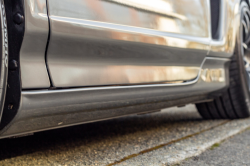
(4, 56)
(239, 52)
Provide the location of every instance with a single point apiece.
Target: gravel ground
(102, 143)
(232, 152)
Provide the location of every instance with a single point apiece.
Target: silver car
(69, 62)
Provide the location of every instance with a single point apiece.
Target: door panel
(115, 42)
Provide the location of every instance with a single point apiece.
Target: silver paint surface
(113, 42)
(42, 110)
(229, 23)
(32, 56)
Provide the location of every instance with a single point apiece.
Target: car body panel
(47, 109)
(32, 54)
(92, 45)
(228, 26)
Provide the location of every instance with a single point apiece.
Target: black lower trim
(215, 17)
(15, 37)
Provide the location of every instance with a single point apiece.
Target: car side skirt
(49, 109)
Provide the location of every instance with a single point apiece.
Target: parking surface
(232, 152)
(122, 141)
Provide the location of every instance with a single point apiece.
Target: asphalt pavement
(232, 152)
(164, 138)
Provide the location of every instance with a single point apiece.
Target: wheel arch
(15, 26)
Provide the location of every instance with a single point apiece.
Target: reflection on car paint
(92, 45)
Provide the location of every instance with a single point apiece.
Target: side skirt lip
(22, 134)
(44, 110)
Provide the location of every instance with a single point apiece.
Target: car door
(126, 42)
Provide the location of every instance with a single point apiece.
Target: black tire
(234, 103)
(4, 56)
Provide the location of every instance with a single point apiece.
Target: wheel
(234, 103)
(3, 55)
